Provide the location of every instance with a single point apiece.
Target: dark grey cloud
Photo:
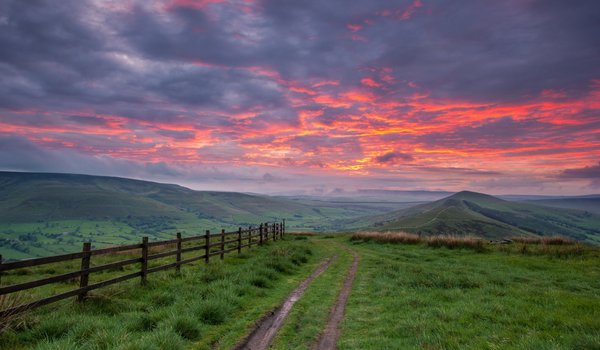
(504, 133)
(87, 120)
(392, 157)
(76, 54)
(178, 135)
(591, 173)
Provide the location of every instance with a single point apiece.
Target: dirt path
(328, 339)
(267, 327)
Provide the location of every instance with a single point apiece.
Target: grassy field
(405, 296)
(418, 297)
(206, 307)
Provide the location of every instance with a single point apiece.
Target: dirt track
(328, 339)
(266, 328)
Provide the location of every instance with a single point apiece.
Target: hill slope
(44, 214)
(487, 216)
(585, 203)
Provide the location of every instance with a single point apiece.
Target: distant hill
(585, 203)
(487, 216)
(45, 213)
(26, 197)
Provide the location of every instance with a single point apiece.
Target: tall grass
(8, 301)
(550, 240)
(452, 242)
(387, 237)
(447, 241)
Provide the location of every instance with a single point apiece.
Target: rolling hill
(487, 216)
(585, 203)
(43, 214)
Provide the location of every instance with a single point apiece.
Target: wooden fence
(213, 245)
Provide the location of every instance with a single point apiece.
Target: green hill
(487, 216)
(43, 214)
(585, 203)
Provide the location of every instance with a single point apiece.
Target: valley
(44, 214)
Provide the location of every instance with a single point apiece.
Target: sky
(310, 96)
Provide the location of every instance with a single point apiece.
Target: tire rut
(331, 333)
(266, 329)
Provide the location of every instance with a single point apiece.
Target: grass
(412, 296)
(469, 213)
(437, 241)
(550, 240)
(435, 293)
(310, 314)
(205, 307)
(388, 237)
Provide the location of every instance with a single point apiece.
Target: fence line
(258, 235)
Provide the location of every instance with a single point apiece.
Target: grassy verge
(310, 314)
(416, 296)
(207, 306)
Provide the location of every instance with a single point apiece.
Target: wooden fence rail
(257, 235)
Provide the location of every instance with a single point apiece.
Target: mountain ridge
(479, 214)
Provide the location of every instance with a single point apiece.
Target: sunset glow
(276, 96)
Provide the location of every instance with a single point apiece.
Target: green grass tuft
(186, 327)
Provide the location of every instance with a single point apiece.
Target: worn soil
(268, 326)
(331, 333)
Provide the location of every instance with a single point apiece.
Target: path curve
(266, 328)
(329, 337)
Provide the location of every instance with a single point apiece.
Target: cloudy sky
(312, 95)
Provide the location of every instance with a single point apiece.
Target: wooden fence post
(222, 243)
(274, 231)
(178, 256)
(85, 265)
(266, 232)
(0, 271)
(144, 259)
(207, 246)
(283, 232)
(260, 234)
(239, 240)
(249, 237)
